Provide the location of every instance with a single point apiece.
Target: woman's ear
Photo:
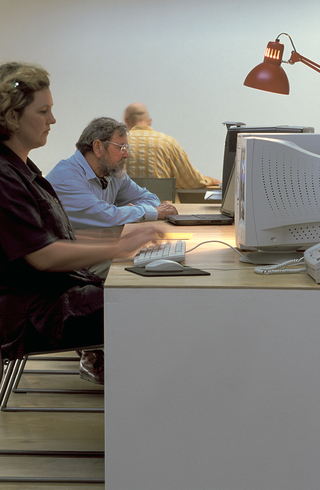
(13, 116)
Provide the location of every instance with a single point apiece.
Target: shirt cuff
(151, 214)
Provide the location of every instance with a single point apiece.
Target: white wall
(185, 59)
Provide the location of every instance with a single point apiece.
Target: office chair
(165, 188)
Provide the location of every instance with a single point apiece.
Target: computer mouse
(163, 265)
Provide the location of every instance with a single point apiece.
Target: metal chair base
(12, 376)
(63, 454)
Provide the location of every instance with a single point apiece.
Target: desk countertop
(221, 261)
(198, 190)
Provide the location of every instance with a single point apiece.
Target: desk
(212, 382)
(194, 195)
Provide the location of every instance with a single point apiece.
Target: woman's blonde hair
(18, 83)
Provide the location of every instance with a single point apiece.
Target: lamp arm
(295, 57)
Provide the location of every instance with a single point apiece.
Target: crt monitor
(277, 196)
(233, 129)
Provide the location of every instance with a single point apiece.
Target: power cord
(227, 245)
(265, 270)
(216, 241)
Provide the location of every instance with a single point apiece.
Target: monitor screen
(227, 206)
(277, 195)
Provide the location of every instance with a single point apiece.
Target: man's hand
(166, 208)
(213, 181)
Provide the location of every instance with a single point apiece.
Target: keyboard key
(173, 250)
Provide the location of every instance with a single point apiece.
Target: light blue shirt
(88, 205)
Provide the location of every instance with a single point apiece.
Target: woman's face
(34, 124)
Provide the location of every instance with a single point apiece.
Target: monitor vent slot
(291, 186)
(305, 233)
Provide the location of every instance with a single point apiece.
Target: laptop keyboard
(173, 250)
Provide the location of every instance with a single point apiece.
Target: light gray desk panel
(205, 397)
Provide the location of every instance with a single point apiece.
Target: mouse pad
(187, 271)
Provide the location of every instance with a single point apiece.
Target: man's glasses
(124, 147)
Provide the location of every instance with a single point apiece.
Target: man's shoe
(92, 366)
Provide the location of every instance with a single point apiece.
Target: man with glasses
(154, 154)
(93, 184)
(97, 193)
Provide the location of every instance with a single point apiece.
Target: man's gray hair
(101, 128)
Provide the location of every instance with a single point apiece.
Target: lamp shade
(269, 75)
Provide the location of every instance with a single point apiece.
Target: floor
(52, 431)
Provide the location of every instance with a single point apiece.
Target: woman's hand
(66, 256)
(136, 239)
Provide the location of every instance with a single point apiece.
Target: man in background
(93, 184)
(154, 154)
(97, 193)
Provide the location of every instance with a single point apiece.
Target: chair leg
(15, 388)
(56, 454)
(8, 380)
(13, 479)
(14, 371)
(4, 380)
(51, 371)
(19, 372)
(11, 376)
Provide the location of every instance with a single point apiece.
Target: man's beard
(118, 172)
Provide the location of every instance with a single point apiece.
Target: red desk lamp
(269, 75)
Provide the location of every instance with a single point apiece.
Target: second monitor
(233, 129)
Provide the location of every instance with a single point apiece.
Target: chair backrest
(165, 188)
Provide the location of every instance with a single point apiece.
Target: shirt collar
(139, 128)
(79, 158)
(30, 170)
(104, 182)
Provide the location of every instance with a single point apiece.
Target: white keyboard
(173, 250)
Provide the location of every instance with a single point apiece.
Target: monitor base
(270, 258)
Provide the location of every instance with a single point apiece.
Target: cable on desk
(224, 269)
(281, 268)
(218, 241)
(266, 270)
(217, 268)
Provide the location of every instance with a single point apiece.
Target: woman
(47, 297)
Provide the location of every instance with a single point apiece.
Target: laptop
(199, 219)
(227, 204)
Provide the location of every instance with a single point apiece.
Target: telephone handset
(312, 262)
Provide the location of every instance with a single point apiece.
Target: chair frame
(22, 371)
(12, 377)
(8, 377)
